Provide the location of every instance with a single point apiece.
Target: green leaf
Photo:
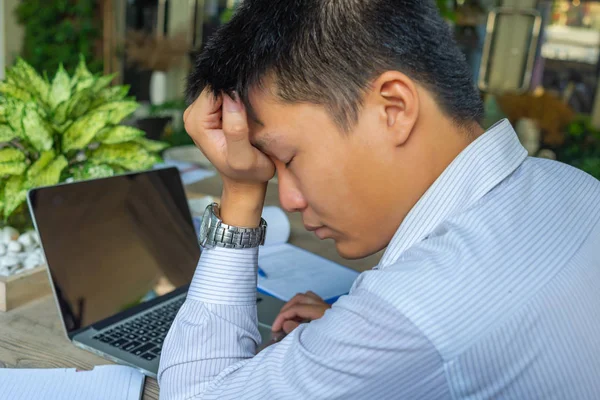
(61, 88)
(31, 81)
(42, 162)
(9, 154)
(6, 133)
(92, 171)
(15, 194)
(110, 94)
(102, 82)
(2, 185)
(15, 111)
(80, 103)
(85, 83)
(130, 156)
(50, 175)
(61, 112)
(81, 72)
(36, 130)
(151, 145)
(10, 90)
(82, 131)
(2, 113)
(119, 110)
(12, 168)
(119, 134)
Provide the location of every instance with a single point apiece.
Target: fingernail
(231, 105)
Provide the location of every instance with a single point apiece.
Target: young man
(366, 111)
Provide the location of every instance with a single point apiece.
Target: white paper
(278, 226)
(291, 270)
(114, 382)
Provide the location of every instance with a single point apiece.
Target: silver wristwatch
(214, 233)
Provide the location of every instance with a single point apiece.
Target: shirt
(490, 289)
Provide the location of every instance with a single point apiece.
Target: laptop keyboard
(143, 336)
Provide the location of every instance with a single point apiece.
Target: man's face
(338, 181)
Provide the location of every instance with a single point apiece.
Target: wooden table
(32, 336)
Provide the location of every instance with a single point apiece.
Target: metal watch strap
(239, 238)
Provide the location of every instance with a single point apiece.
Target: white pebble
(2, 249)
(9, 261)
(26, 240)
(14, 247)
(31, 261)
(10, 233)
(34, 236)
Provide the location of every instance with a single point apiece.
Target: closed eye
(287, 164)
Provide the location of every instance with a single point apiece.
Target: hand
(219, 127)
(301, 308)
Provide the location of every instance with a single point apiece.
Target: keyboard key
(106, 339)
(158, 340)
(143, 339)
(162, 329)
(149, 356)
(153, 334)
(130, 336)
(131, 346)
(142, 349)
(141, 331)
(120, 342)
(117, 335)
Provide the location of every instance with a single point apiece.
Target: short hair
(328, 52)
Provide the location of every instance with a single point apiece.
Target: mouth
(312, 228)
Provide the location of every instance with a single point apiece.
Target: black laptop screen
(115, 243)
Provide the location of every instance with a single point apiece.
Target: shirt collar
(474, 172)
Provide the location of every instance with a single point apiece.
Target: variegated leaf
(79, 103)
(11, 90)
(15, 194)
(9, 154)
(81, 72)
(15, 111)
(50, 175)
(118, 134)
(85, 83)
(82, 131)
(61, 88)
(130, 156)
(6, 133)
(119, 110)
(36, 130)
(12, 168)
(102, 82)
(92, 171)
(61, 112)
(110, 94)
(2, 113)
(42, 162)
(152, 146)
(31, 81)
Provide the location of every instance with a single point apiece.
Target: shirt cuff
(225, 276)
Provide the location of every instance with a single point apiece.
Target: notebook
(114, 382)
(289, 269)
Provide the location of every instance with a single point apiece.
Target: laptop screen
(115, 243)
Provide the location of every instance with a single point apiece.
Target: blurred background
(534, 61)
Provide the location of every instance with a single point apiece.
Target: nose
(290, 196)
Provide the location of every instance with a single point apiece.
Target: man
(366, 111)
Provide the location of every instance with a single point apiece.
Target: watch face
(204, 226)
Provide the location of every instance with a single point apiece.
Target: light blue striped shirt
(490, 289)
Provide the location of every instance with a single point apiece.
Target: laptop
(121, 252)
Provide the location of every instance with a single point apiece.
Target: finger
(207, 104)
(313, 295)
(240, 153)
(300, 298)
(289, 326)
(301, 311)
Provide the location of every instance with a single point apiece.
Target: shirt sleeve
(363, 347)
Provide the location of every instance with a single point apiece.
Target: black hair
(327, 52)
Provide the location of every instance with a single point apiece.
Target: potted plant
(56, 131)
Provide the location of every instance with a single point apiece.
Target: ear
(398, 100)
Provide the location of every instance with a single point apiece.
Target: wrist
(242, 204)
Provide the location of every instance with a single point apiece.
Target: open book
(115, 382)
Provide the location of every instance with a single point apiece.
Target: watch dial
(204, 226)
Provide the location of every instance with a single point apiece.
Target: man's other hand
(301, 308)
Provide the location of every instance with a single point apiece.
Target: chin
(352, 250)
